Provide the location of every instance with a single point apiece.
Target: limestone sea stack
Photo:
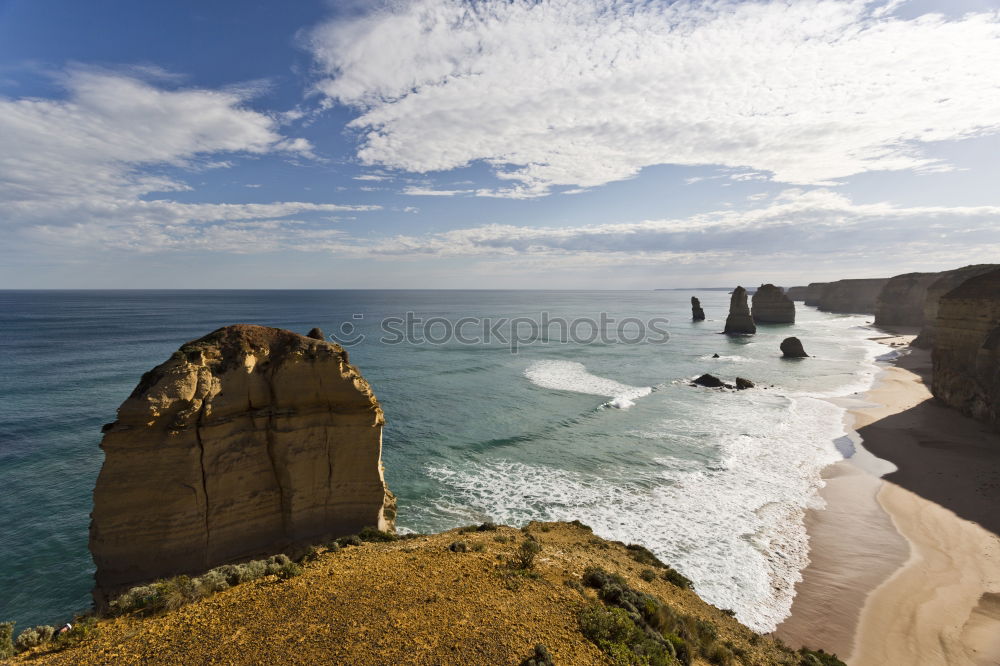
(946, 281)
(697, 314)
(772, 306)
(244, 443)
(739, 321)
(792, 348)
(966, 352)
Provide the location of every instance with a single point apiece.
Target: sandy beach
(905, 558)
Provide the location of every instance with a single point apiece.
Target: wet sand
(905, 569)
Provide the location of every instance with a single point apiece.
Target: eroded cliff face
(851, 296)
(246, 442)
(901, 301)
(797, 293)
(945, 282)
(814, 291)
(772, 306)
(739, 321)
(967, 348)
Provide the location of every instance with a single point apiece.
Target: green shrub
(675, 577)
(577, 523)
(211, 582)
(502, 538)
(289, 570)
(540, 657)
(597, 578)
(643, 555)
(33, 637)
(458, 547)
(524, 558)
(333, 547)
(84, 626)
(647, 575)
(311, 555)
(352, 540)
(478, 547)
(6, 644)
(490, 526)
(376, 535)
(719, 655)
(605, 626)
(818, 658)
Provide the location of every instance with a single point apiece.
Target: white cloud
(91, 161)
(418, 191)
(585, 92)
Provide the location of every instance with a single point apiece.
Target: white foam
(734, 358)
(735, 527)
(571, 376)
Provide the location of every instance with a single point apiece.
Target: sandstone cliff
(697, 314)
(246, 442)
(814, 291)
(797, 293)
(851, 296)
(945, 282)
(967, 348)
(901, 301)
(739, 321)
(772, 306)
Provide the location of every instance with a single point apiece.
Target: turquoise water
(608, 433)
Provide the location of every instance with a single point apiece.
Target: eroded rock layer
(246, 442)
(945, 282)
(772, 306)
(851, 296)
(901, 301)
(967, 348)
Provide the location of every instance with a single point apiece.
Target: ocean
(607, 431)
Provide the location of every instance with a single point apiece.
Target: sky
(563, 144)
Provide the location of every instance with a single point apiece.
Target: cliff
(946, 281)
(901, 301)
(772, 306)
(851, 296)
(246, 442)
(475, 595)
(739, 321)
(814, 291)
(966, 352)
(797, 293)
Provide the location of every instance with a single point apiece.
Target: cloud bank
(585, 92)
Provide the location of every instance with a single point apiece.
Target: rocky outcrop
(739, 321)
(967, 348)
(901, 301)
(814, 291)
(772, 306)
(697, 314)
(742, 384)
(945, 282)
(851, 296)
(792, 348)
(246, 442)
(710, 381)
(797, 293)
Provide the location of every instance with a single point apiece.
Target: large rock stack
(797, 293)
(901, 301)
(772, 306)
(697, 314)
(246, 442)
(967, 348)
(739, 321)
(814, 292)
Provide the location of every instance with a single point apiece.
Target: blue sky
(495, 144)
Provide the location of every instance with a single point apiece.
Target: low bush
(675, 577)
(6, 644)
(540, 657)
(352, 540)
(647, 575)
(458, 547)
(311, 555)
(84, 626)
(809, 657)
(373, 534)
(32, 637)
(643, 555)
(289, 570)
(524, 558)
(478, 547)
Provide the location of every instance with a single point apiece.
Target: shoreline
(899, 572)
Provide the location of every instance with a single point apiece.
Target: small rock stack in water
(739, 321)
(697, 314)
